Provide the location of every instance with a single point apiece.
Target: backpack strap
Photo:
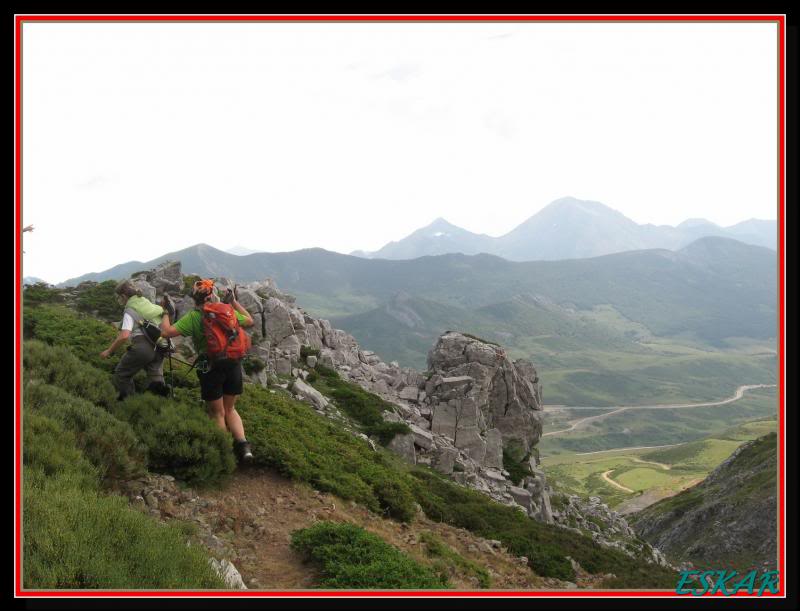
(144, 325)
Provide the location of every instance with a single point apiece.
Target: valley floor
(632, 478)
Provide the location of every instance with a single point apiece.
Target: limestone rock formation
(471, 406)
(230, 575)
(475, 391)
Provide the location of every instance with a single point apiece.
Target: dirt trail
(615, 484)
(651, 462)
(580, 423)
(671, 445)
(253, 517)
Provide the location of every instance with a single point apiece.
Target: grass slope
(660, 473)
(695, 524)
(289, 437)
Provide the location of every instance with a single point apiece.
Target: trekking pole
(171, 374)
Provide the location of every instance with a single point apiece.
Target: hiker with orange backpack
(216, 330)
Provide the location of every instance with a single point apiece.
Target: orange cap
(205, 286)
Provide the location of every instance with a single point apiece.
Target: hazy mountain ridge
(711, 290)
(570, 228)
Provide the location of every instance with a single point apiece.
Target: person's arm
(248, 322)
(121, 338)
(167, 329)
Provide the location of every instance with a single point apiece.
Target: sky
(141, 139)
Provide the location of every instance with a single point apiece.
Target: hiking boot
(244, 451)
(159, 388)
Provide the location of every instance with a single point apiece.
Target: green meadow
(659, 472)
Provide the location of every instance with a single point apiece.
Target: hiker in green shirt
(220, 379)
(143, 353)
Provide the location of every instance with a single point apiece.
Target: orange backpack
(225, 338)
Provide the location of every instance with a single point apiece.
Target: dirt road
(608, 480)
(582, 422)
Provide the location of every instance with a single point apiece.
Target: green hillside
(80, 443)
(695, 525)
(650, 474)
(655, 427)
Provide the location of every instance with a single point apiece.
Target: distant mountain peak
(441, 224)
(241, 251)
(696, 222)
(567, 228)
(584, 204)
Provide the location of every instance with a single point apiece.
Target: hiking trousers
(140, 355)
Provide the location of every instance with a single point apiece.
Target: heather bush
(75, 537)
(57, 365)
(108, 443)
(85, 336)
(364, 407)
(101, 299)
(181, 439)
(350, 557)
(52, 452)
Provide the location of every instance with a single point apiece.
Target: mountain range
(713, 288)
(569, 228)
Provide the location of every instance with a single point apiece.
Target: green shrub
(39, 293)
(101, 299)
(516, 470)
(77, 538)
(58, 366)
(384, 432)
(52, 452)
(60, 326)
(291, 437)
(362, 406)
(392, 492)
(109, 444)
(180, 375)
(181, 439)
(253, 364)
(447, 560)
(350, 557)
(306, 351)
(545, 545)
(325, 371)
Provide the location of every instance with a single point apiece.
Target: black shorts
(224, 378)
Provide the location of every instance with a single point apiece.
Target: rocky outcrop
(162, 498)
(593, 518)
(226, 570)
(473, 404)
(476, 393)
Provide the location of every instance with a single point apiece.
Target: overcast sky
(140, 138)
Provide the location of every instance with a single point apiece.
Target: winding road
(577, 424)
(615, 484)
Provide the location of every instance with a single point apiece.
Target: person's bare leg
(232, 417)
(216, 411)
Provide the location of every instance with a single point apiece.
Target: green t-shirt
(191, 325)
